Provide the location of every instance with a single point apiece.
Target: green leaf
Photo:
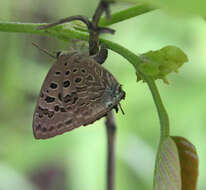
(168, 171)
(188, 162)
(158, 64)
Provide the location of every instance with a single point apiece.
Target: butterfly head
(114, 95)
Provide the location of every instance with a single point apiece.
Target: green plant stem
(126, 14)
(115, 18)
(135, 61)
(61, 32)
(21, 27)
(163, 116)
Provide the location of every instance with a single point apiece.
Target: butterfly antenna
(68, 19)
(121, 109)
(44, 50)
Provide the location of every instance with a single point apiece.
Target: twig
(126, 14)
(115, 18)
(94, 33)
(111, 132)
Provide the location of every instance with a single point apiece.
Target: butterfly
(76, 92)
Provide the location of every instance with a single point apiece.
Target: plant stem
(21, 27)
(111, 133)
(135, 61)
(60, 32)
(115, 18)
(163, 116)
(126, 14)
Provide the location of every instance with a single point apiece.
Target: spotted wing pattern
(77, 91)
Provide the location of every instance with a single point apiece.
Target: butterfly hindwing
(90, 89)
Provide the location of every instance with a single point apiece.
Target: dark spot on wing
(67, 72)
(67, 98)
(78, 79)
(49, 99)
(62, 110)
(53, 85)
(56, 108)
(66, 84)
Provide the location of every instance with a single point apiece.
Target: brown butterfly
(76, 91)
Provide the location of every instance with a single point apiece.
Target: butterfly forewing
(86, 92)
(49, 115)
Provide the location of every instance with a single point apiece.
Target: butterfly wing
(93, 91)
(77, 91)
(50, 116)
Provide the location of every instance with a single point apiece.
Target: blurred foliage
(79, 157)
(178, 6)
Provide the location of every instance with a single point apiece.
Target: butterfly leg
(101, 56)
(45, 51)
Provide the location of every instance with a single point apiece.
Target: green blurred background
(77, 160)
